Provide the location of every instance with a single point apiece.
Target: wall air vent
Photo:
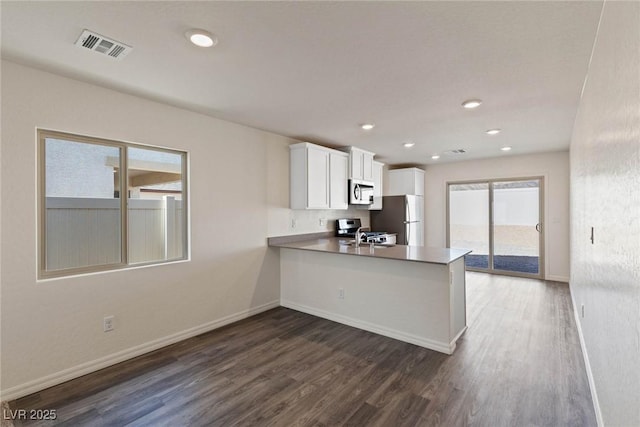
(97, 43)
(457, 151)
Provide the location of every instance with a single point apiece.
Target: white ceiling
(314, 71)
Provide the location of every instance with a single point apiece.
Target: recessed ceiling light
(493, 131)
(507, 148)
(435, 157)
(368, 126)
(472, 103)
(408, 144)
(201, 38)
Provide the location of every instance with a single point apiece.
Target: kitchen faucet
(359, 236)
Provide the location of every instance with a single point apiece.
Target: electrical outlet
(108, 323)
(294, 223)
(341, 293)
(322, 222)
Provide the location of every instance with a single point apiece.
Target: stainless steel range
(347, 227)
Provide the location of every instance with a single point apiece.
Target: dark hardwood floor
(519, 364)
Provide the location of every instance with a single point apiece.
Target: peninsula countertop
(337, 245)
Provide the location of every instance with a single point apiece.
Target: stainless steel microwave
(360, 192)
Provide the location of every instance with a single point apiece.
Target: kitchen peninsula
(414, 294)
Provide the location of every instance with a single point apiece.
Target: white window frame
(43, 273)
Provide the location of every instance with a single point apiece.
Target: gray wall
(605, 194)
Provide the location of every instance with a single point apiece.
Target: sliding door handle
(538, 228)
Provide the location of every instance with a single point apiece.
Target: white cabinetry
(338, 182)
(318, 177)
(367, 166)
(378, 169)
(405, 181)
(360, 164)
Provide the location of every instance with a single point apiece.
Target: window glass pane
(82, 207)
(469, 221)
(516, 217)
(157, 224)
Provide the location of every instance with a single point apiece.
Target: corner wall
(553, 166)
(605, 194)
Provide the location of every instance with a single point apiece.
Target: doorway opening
(501, 221)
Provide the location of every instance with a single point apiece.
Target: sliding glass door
(469, 221)
(516, 226)
(500, 221)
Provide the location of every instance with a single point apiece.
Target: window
(106, 205)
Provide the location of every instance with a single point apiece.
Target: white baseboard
(452, 344)
(442, 347)
(555, 278)
(587, 365)
(103, 362)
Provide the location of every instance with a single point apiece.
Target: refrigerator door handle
(407, 233)
(406, 209)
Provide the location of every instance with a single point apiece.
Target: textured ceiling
(316, 70)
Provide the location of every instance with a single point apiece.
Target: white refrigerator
(403, 215)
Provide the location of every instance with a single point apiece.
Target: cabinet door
(377, 186)
(400, 183)
(419, 183)
(317, 178)
(406, 181)
(356, 165)
(338, 172)
(367, 166)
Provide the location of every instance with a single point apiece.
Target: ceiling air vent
(457, 151)
(101, 44)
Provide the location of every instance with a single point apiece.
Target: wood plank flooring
(519, 364)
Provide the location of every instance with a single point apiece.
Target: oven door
(360, 192)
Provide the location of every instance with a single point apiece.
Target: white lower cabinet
(318, 177)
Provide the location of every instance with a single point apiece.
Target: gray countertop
(398, 252)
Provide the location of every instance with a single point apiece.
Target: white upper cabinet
(378, 169)
(360, 164)
(338, 172)
(405, 181)
(367, 166)
(356, 164)
(318, 177)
